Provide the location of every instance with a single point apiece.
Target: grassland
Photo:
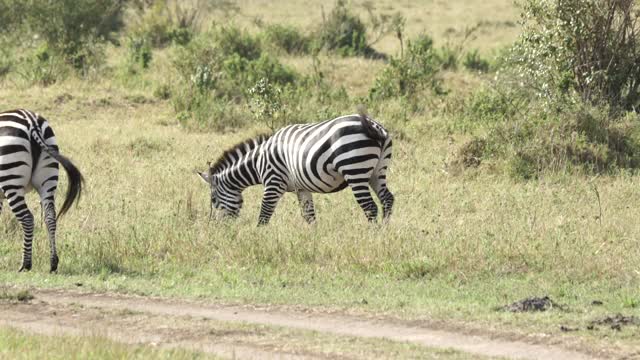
(460, 243)
(14, 342)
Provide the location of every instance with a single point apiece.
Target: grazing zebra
(324, 157)
(29, 159)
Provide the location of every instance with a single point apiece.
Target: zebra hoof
(54, 264)
(25, 268)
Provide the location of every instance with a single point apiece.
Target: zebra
(29, 159)
(325, 157)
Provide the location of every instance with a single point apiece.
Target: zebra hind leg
(379, 185)
(306, 206)
(360, 188)
(25, 217)
(49, 207)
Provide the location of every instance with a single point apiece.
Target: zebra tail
(371, 131)
(74, 190)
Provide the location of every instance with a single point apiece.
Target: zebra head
(223, 198)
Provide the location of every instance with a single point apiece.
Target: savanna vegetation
(516, 152)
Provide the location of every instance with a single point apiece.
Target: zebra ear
(204, 176)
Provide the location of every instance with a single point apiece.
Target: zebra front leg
(272, 194)
(306, 206)
(50, 219)
(25, 217)
(360, 188)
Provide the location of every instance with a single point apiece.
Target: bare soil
(186, 324)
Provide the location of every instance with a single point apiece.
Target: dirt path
(157, 310)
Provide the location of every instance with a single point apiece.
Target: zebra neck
(241, 175)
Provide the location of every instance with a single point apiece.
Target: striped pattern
(29, 159)
(351, 151)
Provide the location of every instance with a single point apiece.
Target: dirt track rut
(333, 324)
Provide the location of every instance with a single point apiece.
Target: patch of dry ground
(188, 324)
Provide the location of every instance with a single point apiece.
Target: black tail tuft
(74, 191)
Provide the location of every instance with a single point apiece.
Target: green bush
(343, 32)
(409, 75)
(473, 61)
(43, 67)
(590, 48)
(8, 10)
(447, 56)
(266, 103)
(155, 25)
(75, 28)
(230, 40)
(217, 69)
(164, 22)
(287, 38)
(140, 54)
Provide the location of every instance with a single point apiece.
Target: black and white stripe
(29, 159)
(324, 157)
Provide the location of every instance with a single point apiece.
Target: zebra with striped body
(324, 157)
(29, 159)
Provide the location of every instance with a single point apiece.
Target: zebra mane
(237, 152)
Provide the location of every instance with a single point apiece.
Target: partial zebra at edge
(30, 159)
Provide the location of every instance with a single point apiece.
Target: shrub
(43, 67)
(155, 24)
(162, 92)
(407, 76)
(266, 103)
(447, 56)
(343, 32)
(173, 21)
(75, 28)
(219, 68)
(287, 38)
(473, 61)
(588, 47)
(8, 10)
(140, 54)
(230, 40)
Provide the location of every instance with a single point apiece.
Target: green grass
(456, 247)
(13, 345)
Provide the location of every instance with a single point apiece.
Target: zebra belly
(336, 184)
